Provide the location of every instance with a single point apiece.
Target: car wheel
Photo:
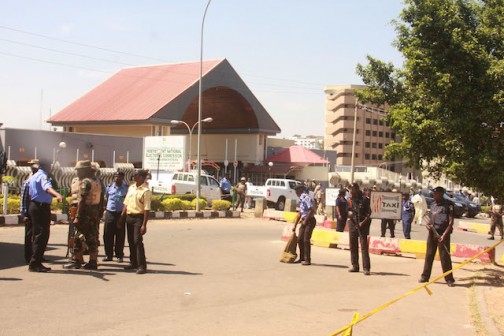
(281, 204)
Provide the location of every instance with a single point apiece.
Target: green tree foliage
(446, 102)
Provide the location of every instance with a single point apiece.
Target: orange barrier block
(379, 245)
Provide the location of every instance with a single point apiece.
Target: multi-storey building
(310, 141)
(372, 131)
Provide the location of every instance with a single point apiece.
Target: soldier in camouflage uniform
(89, 207)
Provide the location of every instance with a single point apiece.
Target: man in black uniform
(359, 220)
(440, 228)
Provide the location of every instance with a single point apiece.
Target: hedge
(221, 205)
(12, 204)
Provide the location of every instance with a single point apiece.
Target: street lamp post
(352, 162)
(200, 103)
(158, 160)
(270, 164)
(190, 130)
(367, 108)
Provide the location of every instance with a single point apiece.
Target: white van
(185, 183)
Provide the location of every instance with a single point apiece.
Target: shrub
(220, 205)
(12, 205)
(172, 204)
(157, 203)
(186, 205)
(486, 209)
(55, 205)
(202, 204)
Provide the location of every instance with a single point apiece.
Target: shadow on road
(12, 255)
(330, 265)
(389, 274)
(484, 277)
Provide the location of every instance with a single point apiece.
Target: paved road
(221, 277)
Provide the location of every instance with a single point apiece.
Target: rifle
(357, 218)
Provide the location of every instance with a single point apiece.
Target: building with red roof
(142, 101)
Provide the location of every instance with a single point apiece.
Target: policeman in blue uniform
(440, 228)
(359, 221)
(113, 233)
(41, 194)
(307, 220)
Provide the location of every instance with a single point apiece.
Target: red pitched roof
(296, 154)
(134, 93)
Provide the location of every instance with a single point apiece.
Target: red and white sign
(386, 205)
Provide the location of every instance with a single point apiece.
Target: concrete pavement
(210, 277)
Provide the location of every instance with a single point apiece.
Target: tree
(447, 101)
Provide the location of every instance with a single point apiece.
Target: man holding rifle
(359, 221)
(440, 227)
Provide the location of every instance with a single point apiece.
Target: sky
(286, 51)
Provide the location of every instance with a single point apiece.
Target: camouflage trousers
(86, 232)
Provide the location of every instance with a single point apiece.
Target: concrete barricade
(382, 245)
(290, 205)
(260, 207)
(324, 237)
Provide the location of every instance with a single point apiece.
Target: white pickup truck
(276, 191)
(185, 183)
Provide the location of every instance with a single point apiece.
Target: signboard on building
(386, 204)
(164, 153)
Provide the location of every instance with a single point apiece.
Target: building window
(380, 157)
(373, 157)
(368, 120)
(356, 155)
(392, 135)
(375, 121)
(375, 133)
(387, 134)
(366, 156)
(368, 144)
(380, 134)
(374, 144)
(380, 146)
(368, 132)
(381, 122)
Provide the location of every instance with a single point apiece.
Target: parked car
(472, 209)
(276, 191)
(459, 208)
(185, 183)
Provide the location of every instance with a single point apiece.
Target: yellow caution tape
(356, 320)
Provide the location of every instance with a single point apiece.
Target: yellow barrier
(290, 216)
(386, 305)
